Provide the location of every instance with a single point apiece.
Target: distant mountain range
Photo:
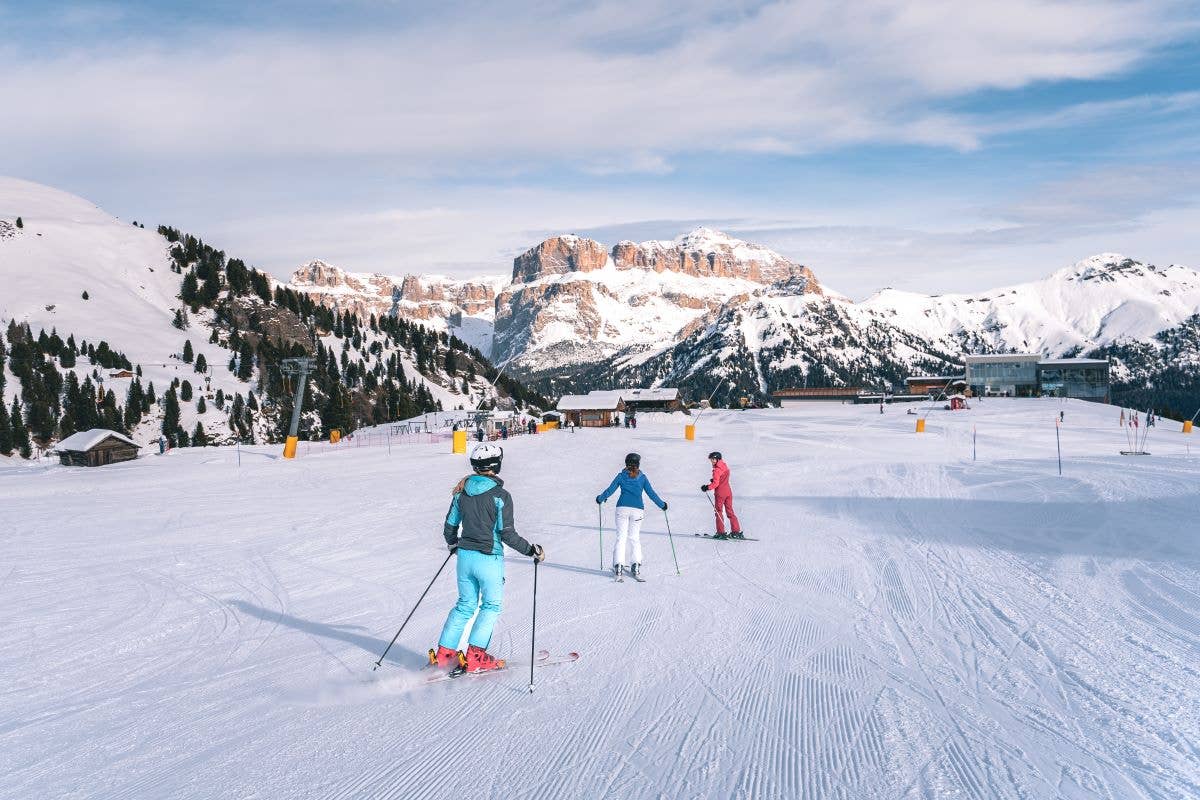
(702, 311)
(706, 309)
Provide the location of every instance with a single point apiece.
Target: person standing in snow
(630, 512)
(483, 509)
(722, 498)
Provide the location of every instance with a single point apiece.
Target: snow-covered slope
(913, 623)
(69, 246)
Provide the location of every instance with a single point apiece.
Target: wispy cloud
(780, 77)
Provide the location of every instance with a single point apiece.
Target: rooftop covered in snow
(86, 440)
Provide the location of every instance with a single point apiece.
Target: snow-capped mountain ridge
(1093, 303)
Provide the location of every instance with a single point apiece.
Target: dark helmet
(715, 454)
(487, 458)
(633, 460)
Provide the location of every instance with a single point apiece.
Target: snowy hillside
(913, 623)
(105, 323)
(69, 246)
(1099, 301)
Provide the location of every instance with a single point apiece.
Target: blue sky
(932, 146)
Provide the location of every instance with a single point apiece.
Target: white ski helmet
(487, 458)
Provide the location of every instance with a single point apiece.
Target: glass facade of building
(1028, 375)
(1084, 381)
(1011, 377)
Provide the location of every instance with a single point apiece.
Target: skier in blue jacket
(630, 512)
(483, 509)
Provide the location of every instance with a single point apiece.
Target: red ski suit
(723, 497)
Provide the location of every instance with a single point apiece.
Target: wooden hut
(595, 410)
(664, 398)
(95, 448)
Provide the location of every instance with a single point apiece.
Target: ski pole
(671, 539)
(533, 633)
(379, 663)
(600, 516)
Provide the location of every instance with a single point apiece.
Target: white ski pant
(629, 526)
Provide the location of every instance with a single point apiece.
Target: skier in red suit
(722, 498)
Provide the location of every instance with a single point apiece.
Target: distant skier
(722, 497)
(483, 508)
(1061, 416)
(630, 512)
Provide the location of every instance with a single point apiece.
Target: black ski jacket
(484, 512)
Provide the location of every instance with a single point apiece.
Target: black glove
(704, 488)
(538, 553)
(664, 505)
(453, 547)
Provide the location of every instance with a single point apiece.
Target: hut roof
(595, 401)
(660, 395)
(86, 440)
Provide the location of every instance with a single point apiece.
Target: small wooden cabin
(595, 410)
(95, 448)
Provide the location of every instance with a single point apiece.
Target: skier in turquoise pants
(483, 509)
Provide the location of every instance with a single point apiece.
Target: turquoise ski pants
(480, 587)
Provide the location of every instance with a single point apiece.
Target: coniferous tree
(20, 222)
(199, 437)
(189, 291)
(185, 391)
(245, 367)
(6, 431)
(67, 423)
(84, 295)
(170, 423)
(20, 433)
(201, 406)
(220, 399)
(188, 353)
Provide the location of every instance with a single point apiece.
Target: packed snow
(914, 622)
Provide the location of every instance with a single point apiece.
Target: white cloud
(609, 87)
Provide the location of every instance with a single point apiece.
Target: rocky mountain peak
(559, 255)
(1106, 267)
(701, 253)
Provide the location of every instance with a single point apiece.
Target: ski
(727, 538)
(542, 661)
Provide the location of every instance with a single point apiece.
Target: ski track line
(414, 774)
(958, 737)
(564, 777)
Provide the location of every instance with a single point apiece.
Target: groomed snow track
(913, 624)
